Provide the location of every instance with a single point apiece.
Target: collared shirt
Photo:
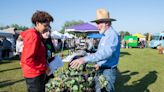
(108, 50)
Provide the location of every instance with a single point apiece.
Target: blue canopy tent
(94, 35)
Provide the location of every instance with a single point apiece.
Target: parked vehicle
(131, 41)
(157, 39)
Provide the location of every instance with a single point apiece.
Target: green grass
(11, 79)
(140, 70)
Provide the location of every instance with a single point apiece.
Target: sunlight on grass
(140, 70)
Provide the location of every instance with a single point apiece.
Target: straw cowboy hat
(103, 15)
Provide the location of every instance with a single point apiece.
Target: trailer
(131, 41)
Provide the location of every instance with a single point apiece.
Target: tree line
(16, 26)
(65, 25)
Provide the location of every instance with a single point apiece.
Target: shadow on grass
(4, 81)
(140, 85)
(8, 83)
(10, 69)
(9, 60)
(124, 53)
(17, 57)
(5, 61)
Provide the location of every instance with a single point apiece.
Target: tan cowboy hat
(103, 15)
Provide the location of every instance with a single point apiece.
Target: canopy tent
(67, 35)
(9, 36)
(56, 35)
(94, 35)
(5, 34)
(85, 27)
(139, 35)
(10, 30)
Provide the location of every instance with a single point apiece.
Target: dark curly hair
(42, 17)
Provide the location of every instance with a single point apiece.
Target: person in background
(55, 43)
(1, 48)
(33, 58)
(107, 54)
(19, 47)
(83, 45)
(6, 44)
(59, 45)
(90, 45)
(71, 45)
(49, 49)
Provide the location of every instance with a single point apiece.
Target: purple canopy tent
(85, 27)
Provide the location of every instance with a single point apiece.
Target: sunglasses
(46, 24)
(99, 22)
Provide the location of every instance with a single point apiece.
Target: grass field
(140, 70)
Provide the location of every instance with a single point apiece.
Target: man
(33, 58)
(107, 54)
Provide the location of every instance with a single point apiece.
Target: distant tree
(121, 34)
(124, 33)
(1, 26)
(18, 27)
(70, 23)
(127, 33)
(4, 27)
(147, 35)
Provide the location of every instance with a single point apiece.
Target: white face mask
(102, 30)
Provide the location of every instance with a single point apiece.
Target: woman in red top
(33, 59)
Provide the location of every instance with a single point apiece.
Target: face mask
(46, 35)
(102, 30)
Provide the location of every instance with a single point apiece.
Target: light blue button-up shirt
(108, 50)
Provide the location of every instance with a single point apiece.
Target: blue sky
(132, 15)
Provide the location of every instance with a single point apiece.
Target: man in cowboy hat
(107, 54)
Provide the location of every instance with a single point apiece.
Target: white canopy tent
(67, 35)
(56, 35)
(5, 34)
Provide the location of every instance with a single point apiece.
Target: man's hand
(97, 67)
(76, 63)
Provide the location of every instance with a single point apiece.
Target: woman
(49, 49)
(33, 59)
